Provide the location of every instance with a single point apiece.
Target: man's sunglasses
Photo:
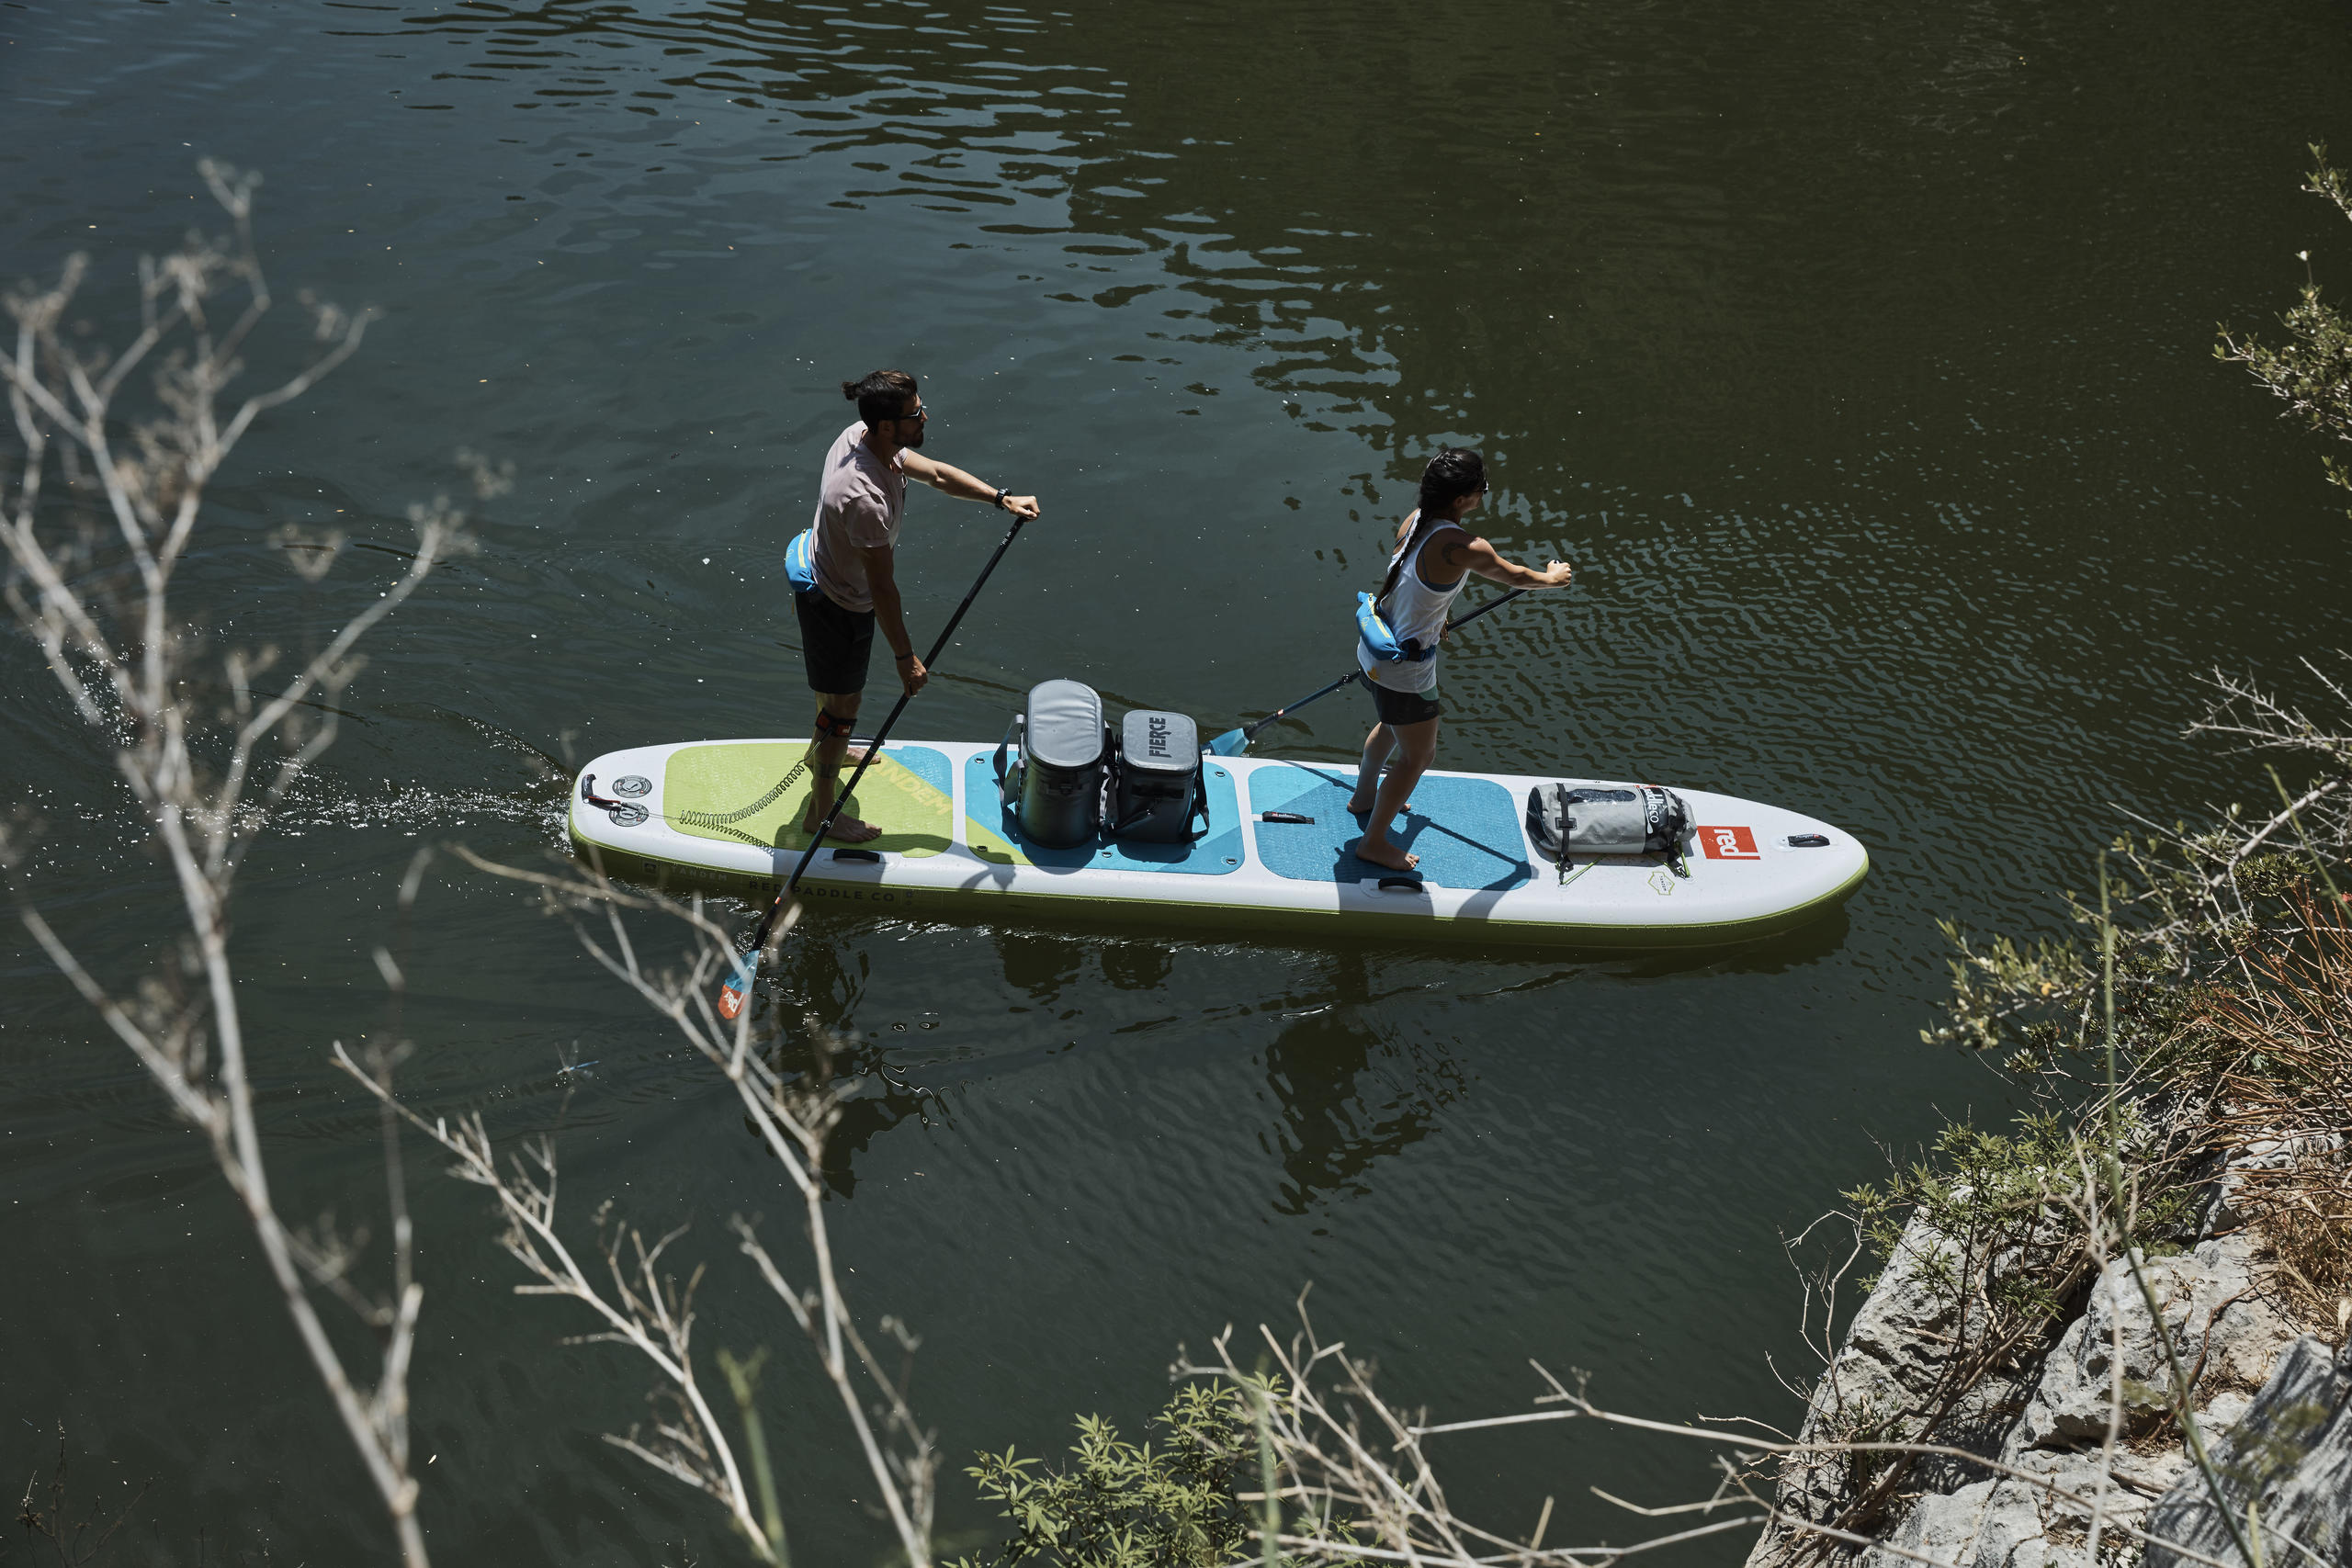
(918, 414)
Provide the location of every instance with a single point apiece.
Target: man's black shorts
(1396, 708)
(835, 644)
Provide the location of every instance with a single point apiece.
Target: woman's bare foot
(848, 830)
(1383, 852)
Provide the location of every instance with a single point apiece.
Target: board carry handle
(997, 762)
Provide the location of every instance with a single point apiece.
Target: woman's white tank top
(1413, 610)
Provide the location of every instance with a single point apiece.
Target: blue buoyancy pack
(1372, 629)
(800, 561)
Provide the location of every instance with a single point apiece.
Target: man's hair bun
(880, 394)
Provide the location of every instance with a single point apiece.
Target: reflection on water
(1350, 1096)
(1138, 965)
(877, 1097)
(804, 990)
(1857, 360)
(1039, 962)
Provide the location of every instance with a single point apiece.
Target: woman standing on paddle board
(1435, 556)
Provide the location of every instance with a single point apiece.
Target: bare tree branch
(134, 670)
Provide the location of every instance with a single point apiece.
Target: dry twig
(93, 564)
(640, 1306)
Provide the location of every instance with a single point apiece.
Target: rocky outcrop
(2290, 1456)
(2220, 1324)
(2048, 1420)
(1897, 1364)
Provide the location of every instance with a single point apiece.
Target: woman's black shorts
(1396, 708)
(835, 644)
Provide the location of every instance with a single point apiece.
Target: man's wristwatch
(999, 499)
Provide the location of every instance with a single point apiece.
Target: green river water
(1857, 356)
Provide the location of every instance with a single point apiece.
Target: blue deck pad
(1218, 853)
(1465, 831)
(927, 763)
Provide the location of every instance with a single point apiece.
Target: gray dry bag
(1058, 778)
(1157, 790)
(1607, 820)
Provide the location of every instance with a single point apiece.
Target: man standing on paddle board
(1435, 556)
(860, 499)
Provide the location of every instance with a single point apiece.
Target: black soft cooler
(1159, 778)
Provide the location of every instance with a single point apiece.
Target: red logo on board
(1729, 843)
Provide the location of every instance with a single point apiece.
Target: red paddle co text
(1729, 843)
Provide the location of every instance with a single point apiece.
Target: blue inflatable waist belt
(1381, 642)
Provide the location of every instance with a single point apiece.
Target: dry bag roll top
(1607, 820)
(1156, 792)
(1058, 778)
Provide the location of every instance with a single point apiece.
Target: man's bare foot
(1384, 853)
(1358, 805)
(848, 830)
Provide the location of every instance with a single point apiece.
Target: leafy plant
(1123, 1505)
(2312, 371)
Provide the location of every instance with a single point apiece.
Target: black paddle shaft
(874, 747)
(1249, 732)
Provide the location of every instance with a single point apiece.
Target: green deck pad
(728, 792)
(994, 832)
(1464, 829)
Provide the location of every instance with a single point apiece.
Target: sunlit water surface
(1859, 359)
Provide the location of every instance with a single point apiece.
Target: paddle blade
(738, 989)
(1232, 743)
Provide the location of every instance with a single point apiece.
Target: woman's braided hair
(1454, 473)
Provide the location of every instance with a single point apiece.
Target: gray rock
(1894, 1357)
(2009, 1523)
(2225, 1205)
(2291, 1453)
(2222, 1327)
(2227, 1410)
(2289, 1445)
(2049, 1421)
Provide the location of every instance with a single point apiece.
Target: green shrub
(1123, 1505)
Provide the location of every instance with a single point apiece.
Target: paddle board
(724, 816)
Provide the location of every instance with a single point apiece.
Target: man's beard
(920, 430)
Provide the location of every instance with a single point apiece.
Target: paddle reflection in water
(805, 1021)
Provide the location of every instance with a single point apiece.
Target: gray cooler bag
(1058, 777)
(1158, 792)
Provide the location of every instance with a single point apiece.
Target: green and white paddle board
(724, 816)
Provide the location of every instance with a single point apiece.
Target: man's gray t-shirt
(858, 507)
